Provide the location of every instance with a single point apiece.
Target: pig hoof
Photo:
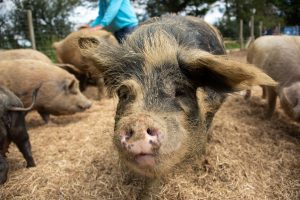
(268, 115)
(30, 164)
(247, 95)
(45, 116)
(3, 172)
(3, 179)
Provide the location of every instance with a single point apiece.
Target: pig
(32, 54)
(67, 51)
(13, 129)
(15, 54)
(59, 93)
(279, 56)
(160, 119)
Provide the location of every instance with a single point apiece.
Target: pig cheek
(292, 112)
(296, 113)
(174, 145)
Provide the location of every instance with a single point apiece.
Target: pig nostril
(150, 132)
(81, 107)
(129, 134)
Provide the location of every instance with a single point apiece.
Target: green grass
(231, 44)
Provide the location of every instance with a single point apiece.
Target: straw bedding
(248, 157)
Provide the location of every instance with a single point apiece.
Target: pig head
(160, 120)
(59, 93)
(68, 52)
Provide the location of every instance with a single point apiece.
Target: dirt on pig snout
(248, 157)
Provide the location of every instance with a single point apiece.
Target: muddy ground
(248, 157)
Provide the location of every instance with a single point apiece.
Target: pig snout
(290, 100)
(141, 139)
(84, 105)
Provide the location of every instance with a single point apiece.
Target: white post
(260, 28)
(31, 29)
(252, 27)
(241, 34)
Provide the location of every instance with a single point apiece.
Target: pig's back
(190, 32)
(278, 56)
(21, 76)
(16, 54)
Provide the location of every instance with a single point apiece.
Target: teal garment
(114, 15)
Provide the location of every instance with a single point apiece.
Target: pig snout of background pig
(290, 100)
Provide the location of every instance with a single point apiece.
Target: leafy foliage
(50, 18)
(190, 7)
(49, 21)
(271, 13)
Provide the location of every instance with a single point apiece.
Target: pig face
(290, 100)
(153, 120)
(61, 97)
(160, 120)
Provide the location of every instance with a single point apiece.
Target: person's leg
(122, 33)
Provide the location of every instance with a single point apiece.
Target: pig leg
(150, 190)
(45, 116)
(263, 92)
(271, 95)
(100, 85)
(3, 169)
(3, 161)
(150, 187)
(248, 94)
(24, 146)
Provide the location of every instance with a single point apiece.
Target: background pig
(67, 51)
(279, 57)
(160, 120)
(32, 54)
(59, 93)
(15, 54)
(13, 128)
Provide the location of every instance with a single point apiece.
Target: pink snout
(142, 144)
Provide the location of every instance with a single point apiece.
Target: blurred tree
(189, 7)
(289, 10)
(266, 11)
(50, 20)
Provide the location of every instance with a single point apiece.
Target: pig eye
(123, 93)
(71, 87)
(179, 93)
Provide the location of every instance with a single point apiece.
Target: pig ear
(71, 69)
(219, 72)
(88, 42)
(104, 55)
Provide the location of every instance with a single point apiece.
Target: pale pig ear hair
(101, 54)
(88, 42)
(219, 72)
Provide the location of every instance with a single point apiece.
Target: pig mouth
(145, 160)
